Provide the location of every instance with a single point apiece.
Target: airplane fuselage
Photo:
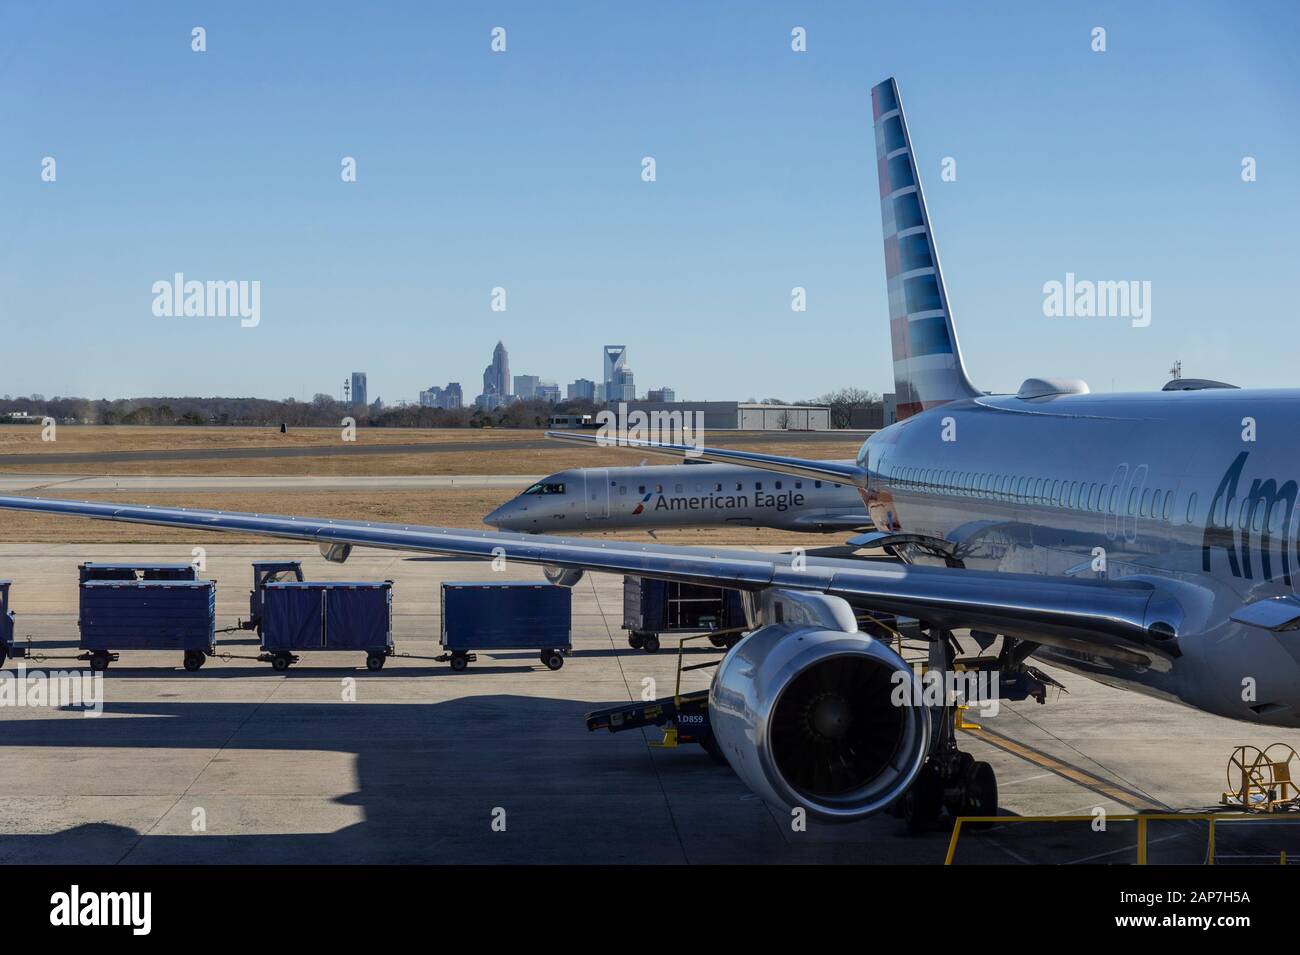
(592, 500)
(1198, 489)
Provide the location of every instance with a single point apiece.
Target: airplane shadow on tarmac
(426, 779)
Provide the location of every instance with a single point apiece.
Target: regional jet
(587, 500)
(1146, 540)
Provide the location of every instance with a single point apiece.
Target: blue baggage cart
(147, 615)
(506, 615)
(654, 607)
(327, 615)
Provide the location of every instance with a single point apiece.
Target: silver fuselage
(680, 496)
(1195, 489)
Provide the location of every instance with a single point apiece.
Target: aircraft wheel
(979, 793)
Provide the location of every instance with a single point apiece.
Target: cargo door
(596, 493)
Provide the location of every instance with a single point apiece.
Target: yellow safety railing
(1141, 820)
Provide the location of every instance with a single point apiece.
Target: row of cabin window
(1076, 495)
(1103, 498)
(717, 487)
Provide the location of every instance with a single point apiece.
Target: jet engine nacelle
(808, 717)
(563, 576)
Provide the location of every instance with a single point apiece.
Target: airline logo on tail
(928, 369)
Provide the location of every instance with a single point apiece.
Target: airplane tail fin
(928, 369)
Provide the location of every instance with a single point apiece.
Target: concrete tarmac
(238, 763)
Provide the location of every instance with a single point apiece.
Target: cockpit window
(544, 488)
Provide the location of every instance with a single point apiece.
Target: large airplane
(591, 500)
(1146, 540)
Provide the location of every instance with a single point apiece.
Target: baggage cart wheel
(99, 660)
(553, 659)
(4, 652)
(459, 661)
(650, 643)
(374, 661)
(635, 639)
(193, 659)
(280, 662)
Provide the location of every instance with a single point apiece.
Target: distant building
(357, 395)
(623, 388)
(526, 386)
(615, 360)
(449, 398)
(890, 400)
(600, 395)
(733, 415)
(496, 380)
(661, 394)
(548, 391)
(584, 389)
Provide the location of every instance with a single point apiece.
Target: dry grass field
(511, 452)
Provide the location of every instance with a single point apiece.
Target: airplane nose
(500, 518)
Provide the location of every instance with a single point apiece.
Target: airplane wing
(840, 472)
(1126, 619)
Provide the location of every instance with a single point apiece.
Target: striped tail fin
(928, 369)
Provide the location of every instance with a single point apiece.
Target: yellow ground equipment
(1262, 781)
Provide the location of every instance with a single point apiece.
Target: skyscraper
(496, 378)
(358, 391)
(615, 361)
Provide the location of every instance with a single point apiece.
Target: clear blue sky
(523, 170)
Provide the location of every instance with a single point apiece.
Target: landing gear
(950, 780)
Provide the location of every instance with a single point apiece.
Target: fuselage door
(596, 492)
